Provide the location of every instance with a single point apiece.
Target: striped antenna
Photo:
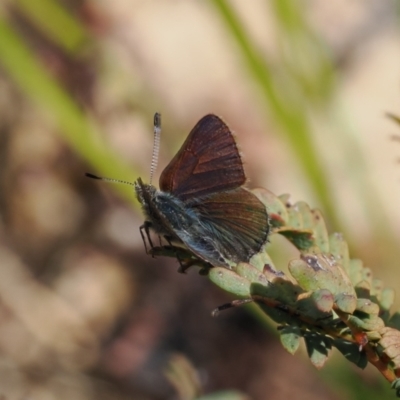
(108, 179)
(156, 144)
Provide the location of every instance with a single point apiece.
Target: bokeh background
(306, 85)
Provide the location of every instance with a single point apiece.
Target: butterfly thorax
(164, 212)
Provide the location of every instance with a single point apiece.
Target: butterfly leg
(182, 268)
(146, 228)
(184, 264)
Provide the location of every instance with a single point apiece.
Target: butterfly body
(202, 203)
(165, 214)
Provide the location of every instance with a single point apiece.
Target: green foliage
(330, 300)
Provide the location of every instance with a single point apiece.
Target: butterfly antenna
(108, 179)
(156, 144)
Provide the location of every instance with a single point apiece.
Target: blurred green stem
(55, 22)
(293, 121)
(77, 129)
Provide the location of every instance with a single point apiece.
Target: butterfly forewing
(208, 162)
(237, 220)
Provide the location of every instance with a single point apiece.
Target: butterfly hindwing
(236, 220)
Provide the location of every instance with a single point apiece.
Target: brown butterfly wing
(207, 162)
(236, 220)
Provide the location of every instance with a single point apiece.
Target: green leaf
(352, 352)
(295, 218)
(290, 338)
(387, 298)
(390, 345)
(318, 347)
(230, 281)
(302, 239)
(367, 306)
(262, 261)
(317, 305)
(367, 275)
(339, 249)
(306, 214)
(251, 273)
(365, 322)
(320, 232)
(346, 302)
(320, 271)
(354, 270)
(275, 207)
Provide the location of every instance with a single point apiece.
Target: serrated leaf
(295, 218)
(390, 344)
(324, 300)
(355, 268)
(339, 248)
(352, 352)
(316, 305)
(318, 347)
(367, 306)
(367, 275)
(307, 217)
(301, 239)
(251, 273)
(271, 273)
(259, 261)
(273, 203)
(230, 281)
(290, 338)
(365, 323)
(387, 298)
(320, 232)
(276, 221)
(319, 271)
(346, 302)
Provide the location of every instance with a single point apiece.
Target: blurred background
(305, 85)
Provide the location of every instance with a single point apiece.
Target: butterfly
(202, 203)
